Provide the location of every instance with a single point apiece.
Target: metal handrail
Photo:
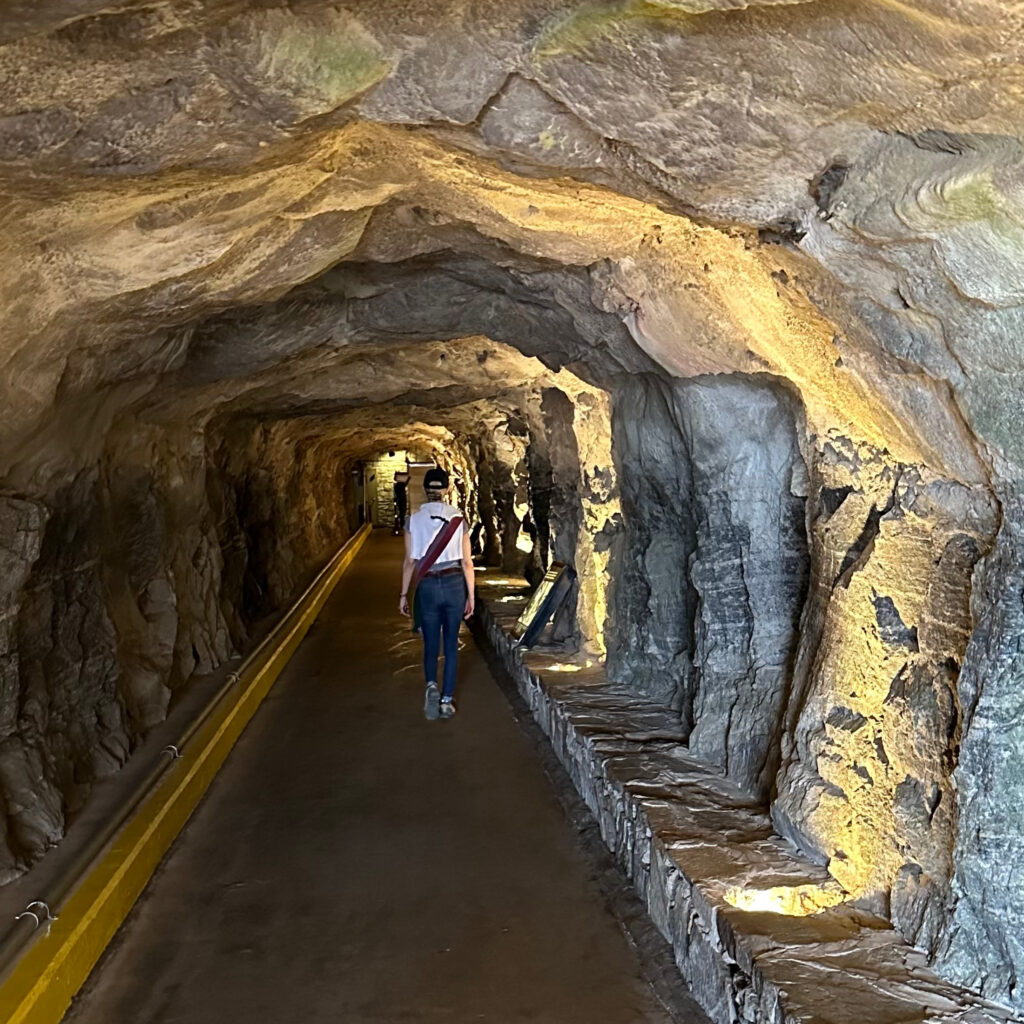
(21, 934)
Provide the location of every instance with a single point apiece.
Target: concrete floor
(354, 862)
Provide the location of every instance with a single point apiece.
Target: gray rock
(980, 945)
(749, 569)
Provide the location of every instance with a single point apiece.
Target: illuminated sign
(544, 602)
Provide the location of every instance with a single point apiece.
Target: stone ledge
(691, 841)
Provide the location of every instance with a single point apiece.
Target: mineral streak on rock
(719, 300)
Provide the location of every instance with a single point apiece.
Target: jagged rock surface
(251, 244)
(749, 569)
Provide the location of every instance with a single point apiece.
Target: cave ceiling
(198, 198)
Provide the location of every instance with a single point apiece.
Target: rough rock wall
(556, 505)
(499, 461)
(97, 614)
(748, 568)
(979, 942)
(828, 642)
(650, 639)
(31, 806)
(285, 502)
(494, 499)
(135, 575)
(711, 569)
(827, 193)
(875, 729)
(161, 564)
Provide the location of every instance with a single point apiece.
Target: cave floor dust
(356, 863)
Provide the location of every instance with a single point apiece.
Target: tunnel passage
(736, 337)
(352, 861)
(711, 553)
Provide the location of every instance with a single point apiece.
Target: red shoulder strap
(437, 545)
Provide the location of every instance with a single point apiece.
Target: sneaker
(431, 700)
(447, 709)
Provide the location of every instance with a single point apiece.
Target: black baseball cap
(435, 479)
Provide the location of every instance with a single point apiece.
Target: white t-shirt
(423, 526)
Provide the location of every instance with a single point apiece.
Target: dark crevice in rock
(830, 498)
(843, 718)
(826, 184)
(894, 631)
(785, 232)
(860, 550)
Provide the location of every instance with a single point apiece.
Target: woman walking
(438, 571)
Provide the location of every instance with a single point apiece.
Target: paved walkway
(356, 863)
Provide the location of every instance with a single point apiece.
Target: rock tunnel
(719, 302)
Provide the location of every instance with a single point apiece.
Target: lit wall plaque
(544, 602)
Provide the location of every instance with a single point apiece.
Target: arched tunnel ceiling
(649, 274)
(364, 433)
(421, 396)
(164, 164)
(245, 244)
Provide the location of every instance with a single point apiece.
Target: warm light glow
(568, 666)
(790, 900)
(785, 333)
(599, 491)
(869, 744)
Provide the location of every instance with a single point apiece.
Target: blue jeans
(442, 606)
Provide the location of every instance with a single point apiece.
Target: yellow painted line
(53, 968)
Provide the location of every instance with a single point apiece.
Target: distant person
(439, 566)
(401, 495)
